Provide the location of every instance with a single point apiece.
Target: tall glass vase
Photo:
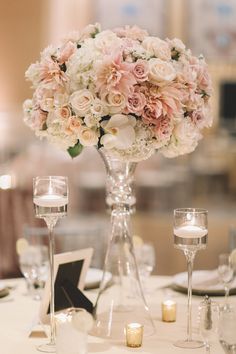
(123, 302)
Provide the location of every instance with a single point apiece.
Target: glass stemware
(190, 236)
(226, 273)
(208, 321)
(227, 329)
(50, 197)
(33, 263)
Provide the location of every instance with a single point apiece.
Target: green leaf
(75, 150)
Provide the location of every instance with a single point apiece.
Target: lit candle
(134, 335)
(168, 311)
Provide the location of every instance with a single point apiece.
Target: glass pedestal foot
(47, 348)
(190, 344)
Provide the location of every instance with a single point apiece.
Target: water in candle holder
(50, 205)
(190, 237)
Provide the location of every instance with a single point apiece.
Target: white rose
(81, 102)
(87, 136)
(160, 71)
(106, 40)
(157, 47)
(184, 139)
(119, 132)
(115, 102)
(178, 45)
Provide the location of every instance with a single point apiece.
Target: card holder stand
(74, 297)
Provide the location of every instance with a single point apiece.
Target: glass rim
(190, 210)
(49, 177)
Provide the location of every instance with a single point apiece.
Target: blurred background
(205, 178)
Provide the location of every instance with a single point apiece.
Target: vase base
(114, 330)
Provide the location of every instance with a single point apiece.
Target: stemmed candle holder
(50, 197)
(190, 236)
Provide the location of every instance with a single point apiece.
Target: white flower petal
(108, 141)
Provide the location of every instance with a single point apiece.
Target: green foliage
(75, 150)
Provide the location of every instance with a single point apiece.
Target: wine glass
(190, 236)
(208, 321)
(50, 197)
(227, 329)
(226, 273)
(33, 263)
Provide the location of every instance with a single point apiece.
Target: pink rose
(140, 70)
(136, 103)
(163, 128)
(63, 112)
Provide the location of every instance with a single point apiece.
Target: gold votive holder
(134, 335)
(168, 311)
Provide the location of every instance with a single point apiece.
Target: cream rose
(74, 124)
(160, 71)
(81, 102)
(115, 102)
(87, 136)
(157, 47)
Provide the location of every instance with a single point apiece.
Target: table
(19, 314)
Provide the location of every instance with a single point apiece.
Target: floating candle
(190, 231)
(50, 200)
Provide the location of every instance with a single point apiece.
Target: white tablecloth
(18, 314)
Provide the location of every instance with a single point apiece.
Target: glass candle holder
(168, 311)
(134, 335)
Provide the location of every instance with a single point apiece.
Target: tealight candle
(168, 311)
(134, 335)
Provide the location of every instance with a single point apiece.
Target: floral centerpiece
(128, 94)
(120, 89)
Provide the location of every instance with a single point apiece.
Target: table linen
(19, 315)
